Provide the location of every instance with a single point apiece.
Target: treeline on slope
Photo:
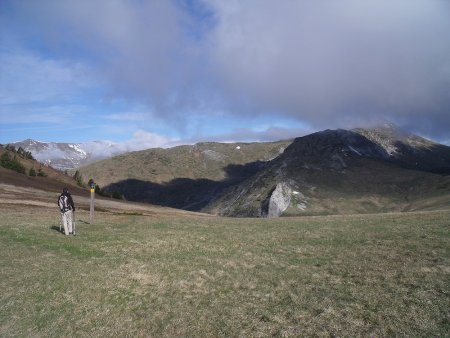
(98, 190)
(21, 152)
(12, 162)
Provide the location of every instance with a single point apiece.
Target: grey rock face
(279, 200)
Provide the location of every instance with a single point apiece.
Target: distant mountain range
(67, 156)
(329, 172)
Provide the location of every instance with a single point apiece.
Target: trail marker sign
(91, 209)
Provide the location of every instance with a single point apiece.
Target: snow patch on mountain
(78, 149)
(67, 156)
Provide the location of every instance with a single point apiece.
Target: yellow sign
(92, 190)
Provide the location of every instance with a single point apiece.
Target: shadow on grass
(57, 228)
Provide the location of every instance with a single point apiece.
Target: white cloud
(30, 79)
(141, 140)
(48, 114)
(128, 116)
(144, 140)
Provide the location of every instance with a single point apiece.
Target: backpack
(63, 203)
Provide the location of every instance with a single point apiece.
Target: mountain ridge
(319, 172)
(360, 170)
(316, 172)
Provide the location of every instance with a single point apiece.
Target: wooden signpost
(91, 209)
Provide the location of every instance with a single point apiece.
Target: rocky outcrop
(279, 200)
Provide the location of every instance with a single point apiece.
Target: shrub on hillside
(117, 195)
(28, 155)
(41, 173)
(78, 178)
(21, 152)
(32, 172)
(8, 162)
(10, 148)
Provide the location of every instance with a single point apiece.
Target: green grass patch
(134, 275)
(34, 241)
(130, 213)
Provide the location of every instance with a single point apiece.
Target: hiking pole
(73, 224)
(61, 224)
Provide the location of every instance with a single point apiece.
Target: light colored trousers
(67, 221)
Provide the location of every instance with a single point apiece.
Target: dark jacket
(69, 201)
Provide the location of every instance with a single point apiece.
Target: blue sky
(180, 71)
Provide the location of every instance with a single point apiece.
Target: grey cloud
(337, 62)
(326, 63)
(249, 135)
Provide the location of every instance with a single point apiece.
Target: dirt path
(27, 202)
(11, 194)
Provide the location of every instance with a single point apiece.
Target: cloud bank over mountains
(338, 61)
(323, 63)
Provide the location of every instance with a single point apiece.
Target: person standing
(67, 207)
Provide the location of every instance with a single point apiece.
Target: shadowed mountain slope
(337, 171)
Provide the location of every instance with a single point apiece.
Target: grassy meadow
(140, 274)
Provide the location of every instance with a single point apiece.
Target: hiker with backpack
(67, 208)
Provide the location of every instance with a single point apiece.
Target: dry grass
(188, 161)
(162, 274)
(10, 194)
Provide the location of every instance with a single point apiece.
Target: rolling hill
(330, 172)
(185, 177)
(199, 161)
